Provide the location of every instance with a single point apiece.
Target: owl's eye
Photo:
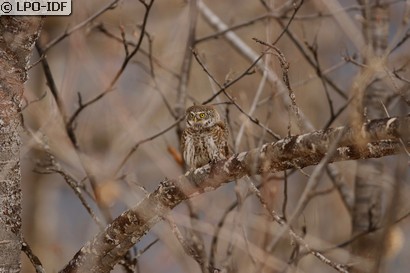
(202, 115)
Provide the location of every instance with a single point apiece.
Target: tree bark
(17, 38)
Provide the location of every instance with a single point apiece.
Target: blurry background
(142, 103)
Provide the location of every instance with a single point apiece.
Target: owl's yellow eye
(202, 115)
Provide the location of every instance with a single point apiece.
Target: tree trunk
(367, 210)
(17, 37)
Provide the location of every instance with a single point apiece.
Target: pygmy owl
(205, 138)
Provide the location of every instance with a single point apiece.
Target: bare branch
(68, 32)
(32, 257)
(136, 145)
(285, 76)
(111, 86)
(225, 86)
(239, 45)
(381, 139)
(298, 238)
(186, 63)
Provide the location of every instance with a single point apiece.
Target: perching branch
(375, 139)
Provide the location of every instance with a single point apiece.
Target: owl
(205, 138)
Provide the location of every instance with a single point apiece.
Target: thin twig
(28, 103)
(148, 54)
(299, 46)
(295, 236)
(35, 261)
(53, 166)
(151, 59)
(314, 50)
(223, 90)
(285, 76)
(285, 29)
(226, 85)
(125, 62)
(239, 45)
(136, 145)
(281, 15)
(190, 246)
(285, 195)
(310, 186)
(186, 65)
(253, 107)
(89, 19)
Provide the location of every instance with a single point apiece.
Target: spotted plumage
(205, 138)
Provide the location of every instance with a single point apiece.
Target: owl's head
(201, 116)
